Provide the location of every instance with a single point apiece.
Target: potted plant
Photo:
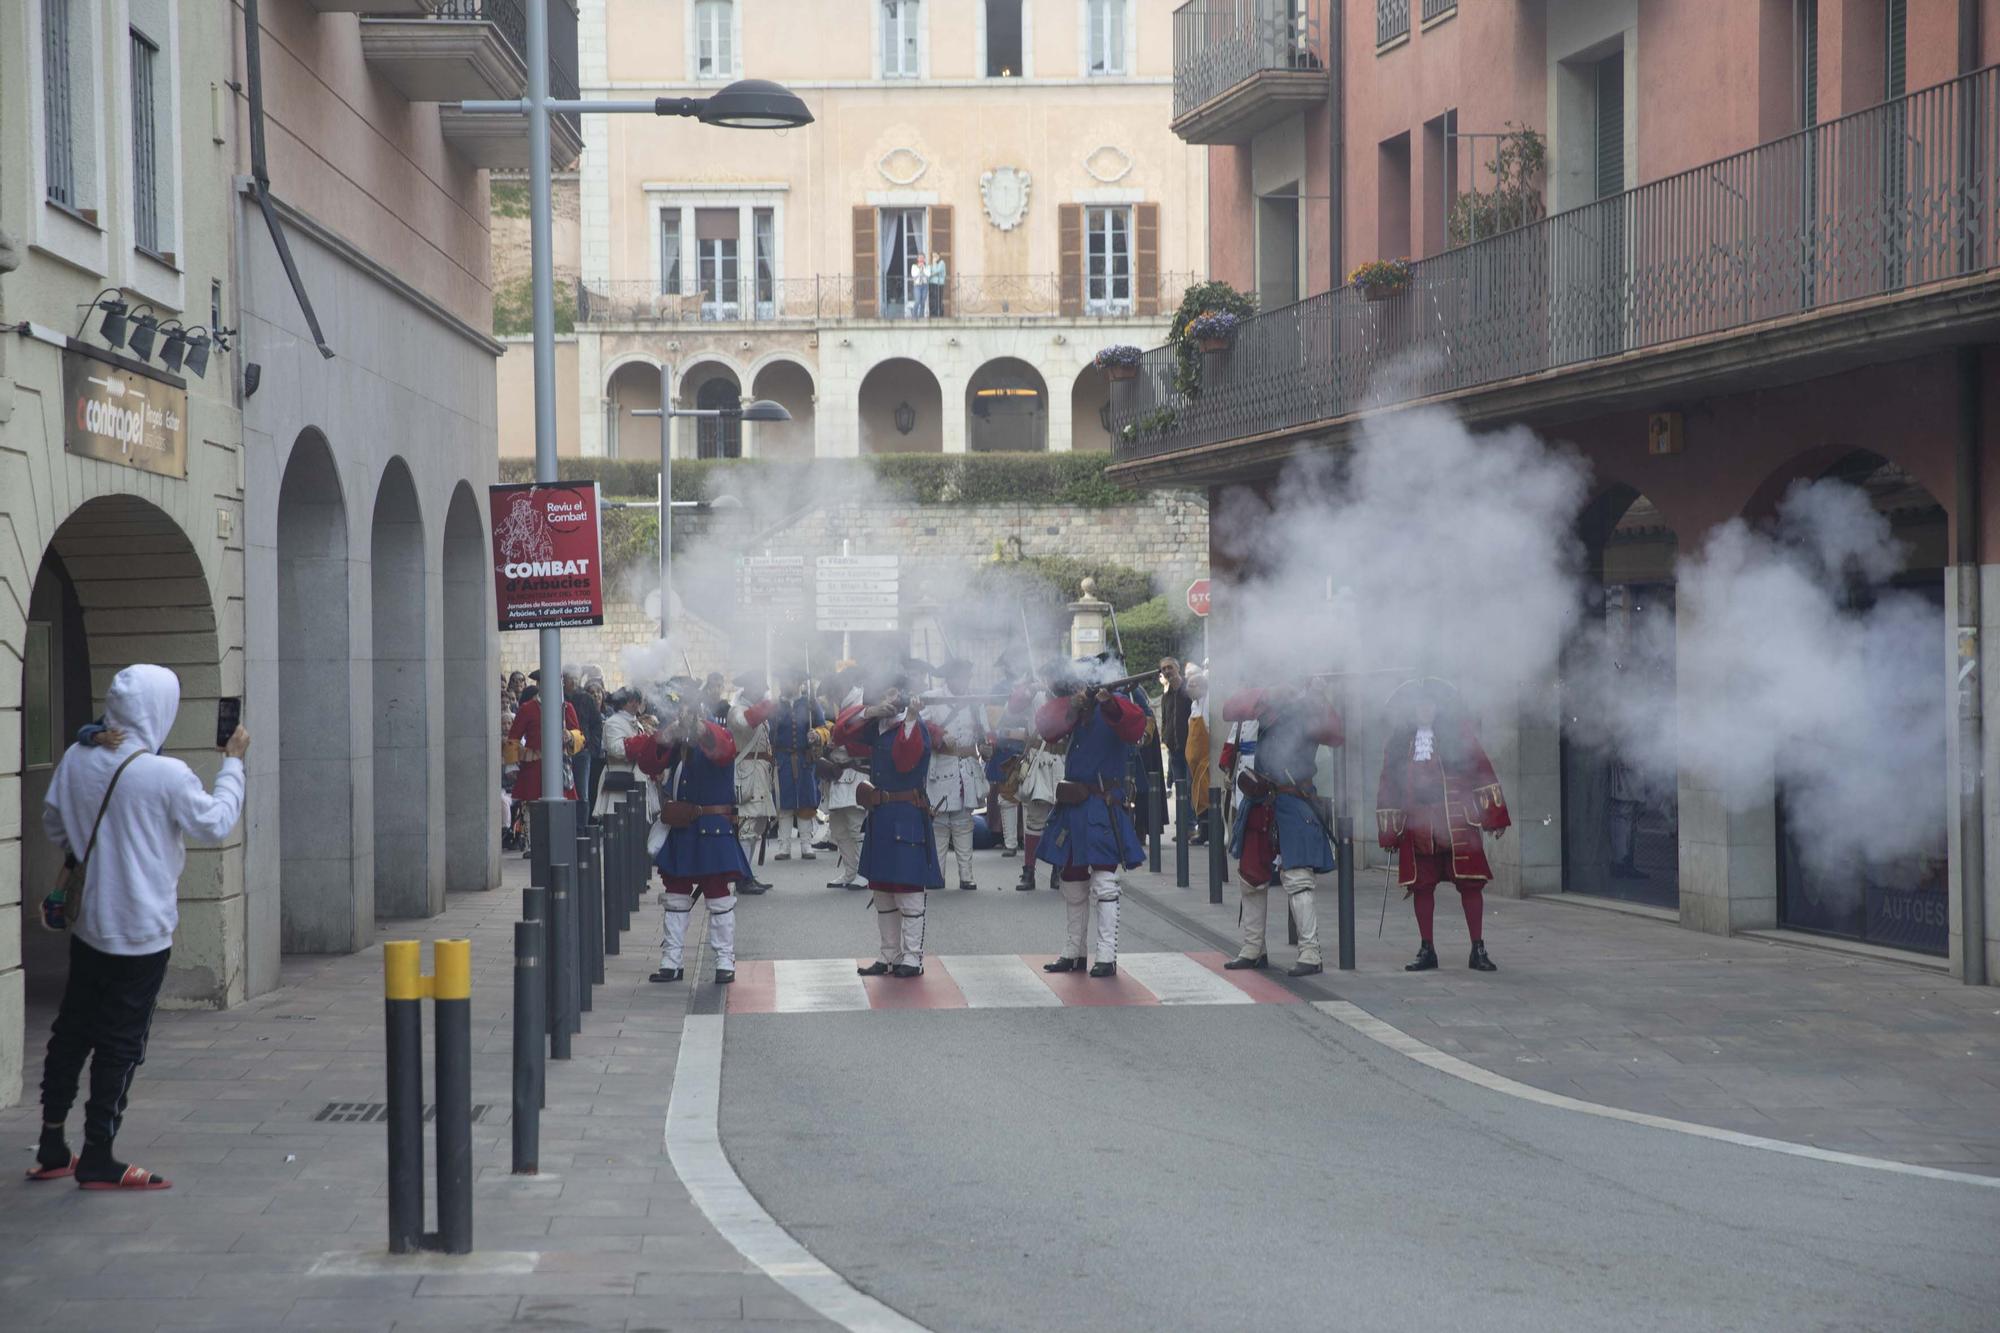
(1214, 330)
(1120, 361)
(1380, 279)
(1200, 299)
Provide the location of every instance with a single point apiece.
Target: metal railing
(838, 299)
(1433, 8)
(1220, 43)
(1884, 200)
(1392, 20)
(511, 18)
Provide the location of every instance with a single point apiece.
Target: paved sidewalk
(277, 1220)
(1847, 1053)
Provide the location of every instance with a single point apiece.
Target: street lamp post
(751, 104)
(762, 409)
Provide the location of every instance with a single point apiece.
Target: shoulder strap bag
(72, 880)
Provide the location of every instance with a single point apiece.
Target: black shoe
(1260, 962)
(724, 975)
(1479, 962)
(1064, 965)
(1010, 851)
(1103, 969)
(1026, 884)
(905, 970)
(782, 856)
(825, 847)
(753, 887)
(1427, 959)
(872, 970)
(965, 887)
(807, 856)
(666, 974)
(1304, 970)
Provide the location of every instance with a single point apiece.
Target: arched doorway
(401, 711)
(901, 409)
(470, 729)
(1089, 411)
(1006, 409)
(790, 384)
(325, 904)
(710, 386)
(633, 386)
(1621, 810)
(1903, 904)
(118, 583)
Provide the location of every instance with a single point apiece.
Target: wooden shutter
(1146, 258)
(866, 278)
(1069, 249)
(940, 228)
(1611, 125)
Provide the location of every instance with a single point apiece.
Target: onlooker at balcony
(914, 299)
(935, 274)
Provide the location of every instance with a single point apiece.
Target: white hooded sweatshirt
(131, 891)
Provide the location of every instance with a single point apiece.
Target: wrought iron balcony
(1883, 203)
(461, 50)
(1241, 66)
(842, 299)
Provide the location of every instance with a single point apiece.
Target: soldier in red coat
(1438, 795)
(527, 733)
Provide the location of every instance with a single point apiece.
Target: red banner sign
(546, 542)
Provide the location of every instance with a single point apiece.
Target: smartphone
(228, 715)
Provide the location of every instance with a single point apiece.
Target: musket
(1116, 636)
(1123, 682)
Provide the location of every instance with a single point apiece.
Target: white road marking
(694, 1144)
(817, 985)
(999, 981)
(1178, 979)
(1424, 1053)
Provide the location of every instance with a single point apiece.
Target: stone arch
(118, 583)
(789, 382)
(1006, 408)
(889, 387)
(709, 383)
(632, 384)
(1620, 814)
(326, 890)
(1089, 406)
(401, 709)
(470, 839)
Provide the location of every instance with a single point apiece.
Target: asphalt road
(1219, 1167)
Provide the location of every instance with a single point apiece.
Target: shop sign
(546, 548)
(116, 413)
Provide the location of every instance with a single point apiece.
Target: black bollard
(1183, 816)
(600, 908)
(1343, 829)
(530, 1023)
(1218, 849)
(590, 931)
(452, 1018)
(607, 874)
(403, 1056)
(561, 959)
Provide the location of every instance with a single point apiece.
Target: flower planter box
(1382, 293)
(1122, 372)
(1214, 344)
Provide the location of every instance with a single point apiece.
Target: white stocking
(674, 927)
(722, 931)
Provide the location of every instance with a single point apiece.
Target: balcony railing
(840, 299)
(1220, 43)
(1392, 20)
(1875, 203)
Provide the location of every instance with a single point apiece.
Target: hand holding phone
(228, 716)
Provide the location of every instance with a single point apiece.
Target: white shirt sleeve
(205, 816)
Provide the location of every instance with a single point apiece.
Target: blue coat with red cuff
(1281, 824)
(701, 774)
(898, 854)
(1097, 832)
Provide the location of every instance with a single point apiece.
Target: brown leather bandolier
(1076, 793)
(683, 814)
(1255, 786)
(868, 796)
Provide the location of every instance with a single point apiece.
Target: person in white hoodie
(124, 924)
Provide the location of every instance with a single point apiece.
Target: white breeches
(952, 830)
(1035, 814)
(1010, 824)
(1088, 901)
(845, 824)
(721, 929)
(899, 918)
(1298, 886)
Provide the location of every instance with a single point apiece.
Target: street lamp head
(763, 409)
(754, 104)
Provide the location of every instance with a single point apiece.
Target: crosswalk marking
(998, 981)
(1179, 979)
(995, 981)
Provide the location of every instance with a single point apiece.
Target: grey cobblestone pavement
(277, 1221)
(1842, 1052)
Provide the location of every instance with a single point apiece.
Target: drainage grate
(368, 1113)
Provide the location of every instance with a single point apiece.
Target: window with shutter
(58, 127)
(1147, 297)
(901, 42)
(1611, 125)
(714, 39)
(1895, 55)
(1069, 253)
(145, 145)
(941, 254)
(1808, 63)
(670, 251)
(867, 301)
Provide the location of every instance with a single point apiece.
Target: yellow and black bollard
(404, 990)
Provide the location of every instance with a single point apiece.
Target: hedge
(948, 479)
(1158, 628)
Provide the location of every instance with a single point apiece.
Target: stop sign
(1197, 597)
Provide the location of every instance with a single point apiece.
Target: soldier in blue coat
(898, 855)
(694, 758)
(1276, 821)
(1090, 836)
(793, 720)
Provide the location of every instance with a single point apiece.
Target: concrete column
(1057, 390)
(1728, 848)
(951, 392)
(1534, 793)
(1989, 634)
(591, 391)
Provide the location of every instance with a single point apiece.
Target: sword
(1115, 635)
